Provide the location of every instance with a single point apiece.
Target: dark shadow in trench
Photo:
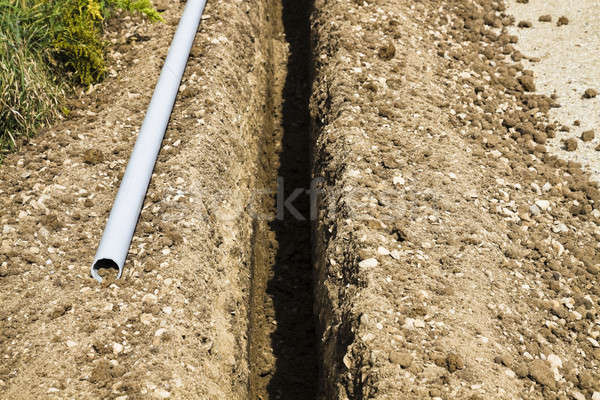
(291, 288)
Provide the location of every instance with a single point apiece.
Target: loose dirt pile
(455, 257)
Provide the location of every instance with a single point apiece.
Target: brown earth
(453, 257)
(176, 325)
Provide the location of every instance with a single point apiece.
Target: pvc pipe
(124, 215)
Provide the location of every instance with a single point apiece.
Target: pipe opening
(101, 268)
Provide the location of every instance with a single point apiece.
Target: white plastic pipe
(123, 217)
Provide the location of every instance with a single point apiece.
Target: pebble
(596, 396)
(534, 210)
(395, 254)
(149, 299)
(382, 251)
(398, 180)
(368, 263)
(577, 395)
(71, 343)
(146, 319)
(540, 372)
(543, 204)
(161, 394)
(117, 348)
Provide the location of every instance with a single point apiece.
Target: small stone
(159, 332)
(562, 21)
(71, 343)
(387, 52)
(522, 370)
(93, 156)
(454, 362)
(161, 394)
(382, 251)
(588, 136)
(398, 180)
(570, 144)
(596, 396)
(504, 359)
(527, 83)
(555, 361)
(545, 18)
(117, 348)
(534, 210)
(149, 299)
(368, 263)
(543, 204)
(541, 373)
(590, 93)
(146, 319)
(403, 359)
(395, 254)
(577, 395)
(160, 5)
(524, 24)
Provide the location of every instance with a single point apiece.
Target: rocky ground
(455, 255)
(456, 258)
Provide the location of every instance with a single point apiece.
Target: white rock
(596, 396)
(577, 395)
(161, 394)
(159, 332)
(593, 341)
(149, 299)
(395, 254)
(108, 307)
(547, 186)
(398, 180)
(452, 175)
(53, 390)
(534, 210)
(555, 361)
(167, 310)
(419, 323)
(543, 204)
(117, 348)
(559, 228)
(71, 343)
(146, 319)
(368, 263)
(382, 251)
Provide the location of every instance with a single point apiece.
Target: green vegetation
(44, 46)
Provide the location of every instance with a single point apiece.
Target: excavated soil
(354, 200)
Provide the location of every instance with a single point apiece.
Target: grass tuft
(46, 45)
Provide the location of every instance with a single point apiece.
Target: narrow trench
(282, 341)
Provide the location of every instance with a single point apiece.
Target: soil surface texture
(355, 199)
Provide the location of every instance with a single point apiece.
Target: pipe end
(104, 264)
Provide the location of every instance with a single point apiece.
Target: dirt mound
(446, 233)
(176, 325)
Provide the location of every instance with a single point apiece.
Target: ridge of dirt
(176, 325)
(455, 258)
